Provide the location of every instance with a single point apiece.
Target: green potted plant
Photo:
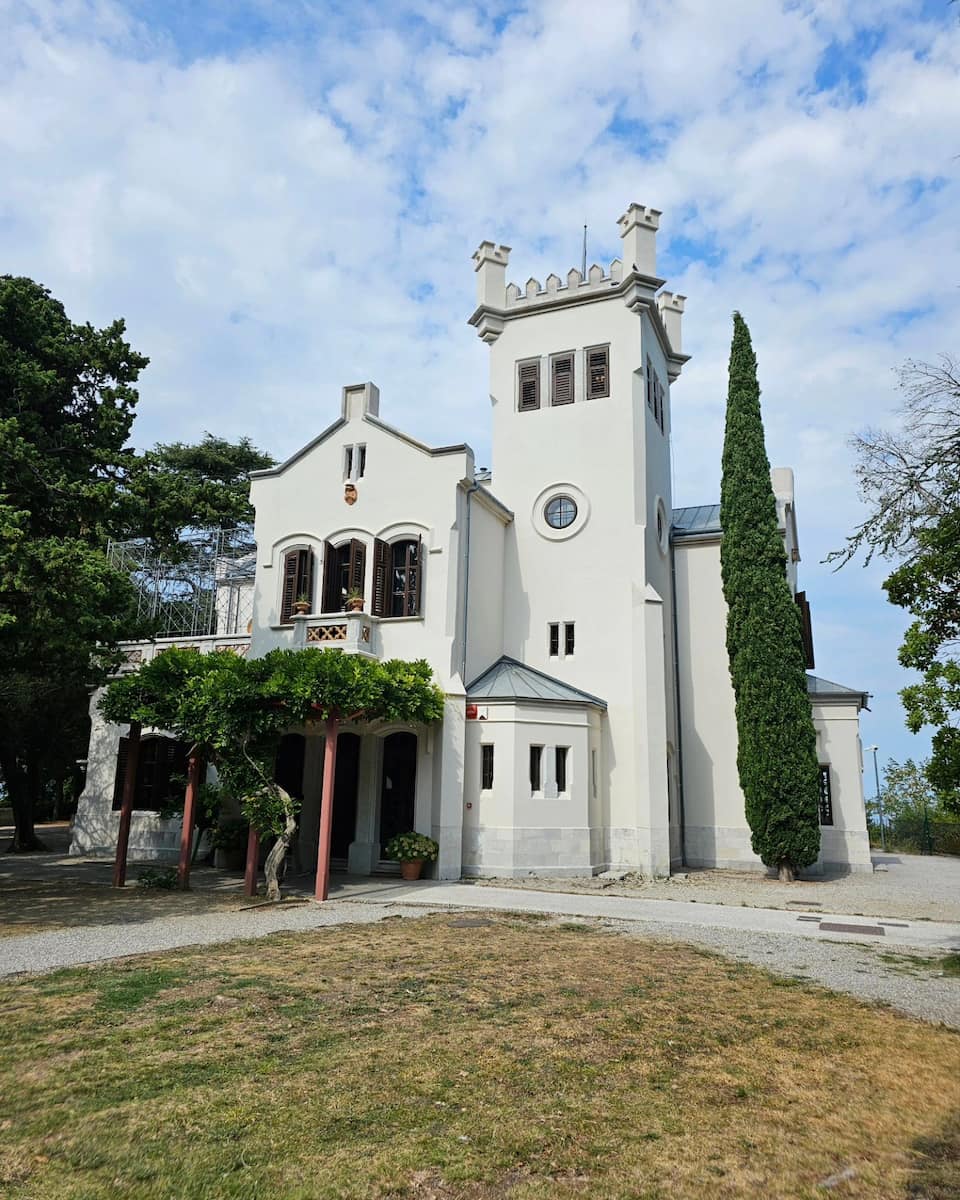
(230, 843)
(411, 850)
(355, 600)
(301, 605)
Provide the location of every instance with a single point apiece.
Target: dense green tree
(910, 480)
(235, 711)
(777, 753)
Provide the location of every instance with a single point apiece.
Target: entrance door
(345, 780)
(398, 787)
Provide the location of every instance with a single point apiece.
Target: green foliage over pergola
(777, 747)
(235, 711)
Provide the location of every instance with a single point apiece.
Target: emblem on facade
(350, 493)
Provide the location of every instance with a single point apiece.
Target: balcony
(137, 653)
(351, 632)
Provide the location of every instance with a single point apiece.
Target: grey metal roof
(824, 687)
(508, 679)
(697, 519)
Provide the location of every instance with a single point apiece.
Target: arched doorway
(398, 786)
(345, 780)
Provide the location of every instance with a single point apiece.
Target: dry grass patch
(424, 1060)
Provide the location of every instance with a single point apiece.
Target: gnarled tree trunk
(271, 867)
(786, 874)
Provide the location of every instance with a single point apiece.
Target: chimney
(638, 228)
(490, 263)
(359, 399)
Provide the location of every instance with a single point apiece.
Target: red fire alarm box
(471, 712)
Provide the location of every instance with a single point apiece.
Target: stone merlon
(670, 307)
(490, 263)
(638, 228)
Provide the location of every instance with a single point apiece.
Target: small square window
(554, 648)
(486, 767)
(598, 372)
(536, 762)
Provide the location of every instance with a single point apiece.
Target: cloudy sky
(282, 196)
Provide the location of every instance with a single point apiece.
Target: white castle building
(573, 617)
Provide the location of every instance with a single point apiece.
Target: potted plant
(411, 850)
(301, 606)
(355, 600)
(230, 844)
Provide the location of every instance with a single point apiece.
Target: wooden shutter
(305, 574)
(291, 562)
(529, 385)
(414, 577)
(381, 579)
(123, 751)
(649, 384)
(332, 600)
(598, 372)
(561, 379)
(806, 629)
(358, 561)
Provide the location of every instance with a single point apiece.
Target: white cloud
(284, 198)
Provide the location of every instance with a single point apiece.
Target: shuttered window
(826, 797)
(486, 767)
(598, 372)
(568, 638)
(405, 579)
(298, 573)
(161, 774)
(561, 379)
(344, 570)
(554, 640)
(528, 385)
(806, 629)
(650, 379)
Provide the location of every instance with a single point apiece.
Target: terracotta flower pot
(411, 868)
(355, 605)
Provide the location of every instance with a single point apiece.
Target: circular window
(560, 512)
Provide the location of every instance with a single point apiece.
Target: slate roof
(508, 679)
(696, 520)
(824, 687)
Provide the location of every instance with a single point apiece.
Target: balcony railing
(351, 632)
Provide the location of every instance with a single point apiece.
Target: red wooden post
(326, 810)
(189, 818)
(253, 857)
(126, 805)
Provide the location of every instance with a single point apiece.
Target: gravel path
(908, 886)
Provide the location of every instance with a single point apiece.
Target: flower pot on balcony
(355, 604)
(301, 607)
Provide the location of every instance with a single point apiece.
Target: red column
(326, 810)
(126, 805)
(189, 819)
(253, 857)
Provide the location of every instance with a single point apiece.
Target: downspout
(474, 487)
(676, 705)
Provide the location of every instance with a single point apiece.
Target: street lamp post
(876, 775)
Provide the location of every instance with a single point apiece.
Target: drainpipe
(474, 487)
(676, 704)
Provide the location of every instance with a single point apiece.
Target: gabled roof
(824, 689)
(508, 679)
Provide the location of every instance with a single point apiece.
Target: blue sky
(282, 197)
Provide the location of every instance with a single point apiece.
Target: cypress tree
(777, 746)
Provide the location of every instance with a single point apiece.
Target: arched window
(344, 570)
(298, 575)
(398, 571)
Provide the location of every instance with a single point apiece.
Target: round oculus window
(560, 512)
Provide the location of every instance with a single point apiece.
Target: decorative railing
(137, 653)
(352, 632)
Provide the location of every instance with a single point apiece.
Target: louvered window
(650, 379)
(826, 797)
(343, 572)
(298, 573)
(568, 638)
(486, 767)
(528, 384)
(561, 379)
(554, 639)
(598, 372)
(161, 774)
(536, 761)
(806, 629)
(405, 579)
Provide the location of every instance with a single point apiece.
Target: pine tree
(777, 747)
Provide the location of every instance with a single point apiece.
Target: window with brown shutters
(298, 573)
(161, 774)
(598, 372)
(405, 572)
(561, 378)
(806, 629)
(344, 570)
(381, 577)
(528, 385)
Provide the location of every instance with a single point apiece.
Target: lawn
(441, 1057)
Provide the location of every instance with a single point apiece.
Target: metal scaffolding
(206, 588)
